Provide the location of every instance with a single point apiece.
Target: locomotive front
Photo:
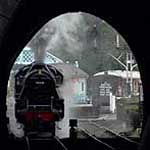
(38, 104)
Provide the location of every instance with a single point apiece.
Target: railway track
(100, 131)
(88, 129)
(45, 143)
(56, 144)
(114, 133)
(107, 146)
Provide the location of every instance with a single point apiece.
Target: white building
(132, 78)
(77, 79)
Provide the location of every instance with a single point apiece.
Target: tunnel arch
(29, 31)
(89, 14)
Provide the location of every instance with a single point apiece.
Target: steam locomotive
(38, 103)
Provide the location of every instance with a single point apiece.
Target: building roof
(27, 57)
(120, 73)
(70, 71)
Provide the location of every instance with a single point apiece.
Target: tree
(82, 37)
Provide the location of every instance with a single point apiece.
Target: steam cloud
(73, 32)
(66, 32)
(40, 51)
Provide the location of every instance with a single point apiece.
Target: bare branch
(135, 65)
(119, 56)
(121, 63)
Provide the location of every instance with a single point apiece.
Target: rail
(114, 133)
(96, 139)
(63, 147)
(61, 144)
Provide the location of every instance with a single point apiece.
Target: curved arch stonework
(102, 80)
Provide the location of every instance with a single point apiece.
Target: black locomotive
(38, 104)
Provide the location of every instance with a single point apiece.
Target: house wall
(118, 84)
(79, 90)
(118, 88)
(113, 81)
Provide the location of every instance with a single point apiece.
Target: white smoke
(67, 93)
(68, 32)
(14, 127)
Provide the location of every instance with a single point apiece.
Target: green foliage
(130, 107)
(91, 58)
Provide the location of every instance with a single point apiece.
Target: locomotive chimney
(40, 55)
(40, 52)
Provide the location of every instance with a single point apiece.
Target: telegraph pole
(129, 65)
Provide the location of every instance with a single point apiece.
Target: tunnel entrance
(102, 85)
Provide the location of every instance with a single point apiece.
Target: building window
(82, 86)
